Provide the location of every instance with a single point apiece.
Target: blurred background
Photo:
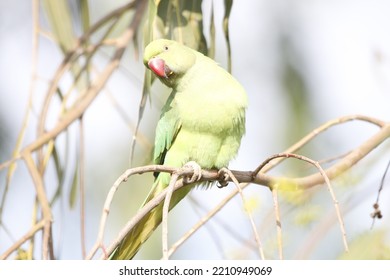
(302, 63)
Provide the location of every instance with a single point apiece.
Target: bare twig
(82, 188)
(326, 179)
(141, 108)
(200, 223)
(278, 223)
(198, 207)
(333, 171)
(42, 198)
(74, 54)
(228, 227)
(72, 115)
(34, 62)
(248, 211)
(30, 234)
(121, 109)
(140, 214)
(79, 108)
(270, 181)
(167, 200)
(34, 219)
(298, 145)
(107, 204)
(377, 212)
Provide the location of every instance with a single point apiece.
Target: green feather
(167, 128)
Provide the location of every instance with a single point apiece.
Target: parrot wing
(166, 131)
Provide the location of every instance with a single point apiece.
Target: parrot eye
(165, 48)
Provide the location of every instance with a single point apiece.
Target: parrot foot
(197, 172)
(223, 177)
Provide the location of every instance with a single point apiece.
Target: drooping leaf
(211, 52)
(61, 23)
(74, 187)
(60, 175)
(60, 19)
(183, 22)
(228, 8)
(85, 20)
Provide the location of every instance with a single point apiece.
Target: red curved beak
(158, 66)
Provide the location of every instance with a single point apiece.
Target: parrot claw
(223, 178)
(196, 176)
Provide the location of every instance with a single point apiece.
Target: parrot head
(168, 60)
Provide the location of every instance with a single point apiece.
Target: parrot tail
(132, 242)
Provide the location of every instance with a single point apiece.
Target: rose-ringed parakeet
(202, 121)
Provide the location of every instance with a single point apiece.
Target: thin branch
(327, 181)
(377, 212)
(247, 210)
(69, 60)
(43, 201)
(9, 162)
(79, 108)
(278, 223)
(141, 108)
(200, 209)
(73, 54)
(122, 112)
(165, 211)
(26, 118)
(34, 218)
(382, 182)
(298, 145)
(82, 187)
(75, 113)
(229, 228)
(140, 214)
(110, 196)
(333, 171)
(201, 222)
(248, 177)
(30, 234)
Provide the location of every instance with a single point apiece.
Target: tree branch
(30, 234)
(255, 177)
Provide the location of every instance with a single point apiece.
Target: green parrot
(202, 122)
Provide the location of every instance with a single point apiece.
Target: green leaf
(228, 8)
(183, 22)
(85, 20)
(60, 19)
(211, 52)
(60, 174)
(74, 187)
